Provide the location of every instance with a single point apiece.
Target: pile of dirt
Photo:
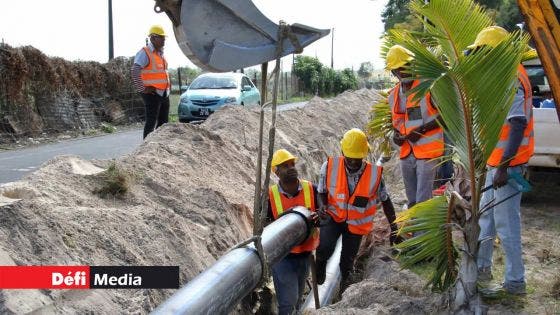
(42, 94)
(189, 199)
(386, 289)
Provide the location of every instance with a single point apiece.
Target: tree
(365, 70)
(187, 74)
(508, 15)
(345, 80)
(318, 79)
(473, 94)
(396, 11)
(397, 14)
(308, 70)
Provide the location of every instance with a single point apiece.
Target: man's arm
(418, 132)
(322, 192)
(389, 210)
(140, 61)
(518, 123)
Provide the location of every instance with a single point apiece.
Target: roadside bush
(115, 182)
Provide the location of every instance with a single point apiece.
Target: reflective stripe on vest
(527, 146)
(155, 72)
(342, 206)
(430, 145)
(306, 198)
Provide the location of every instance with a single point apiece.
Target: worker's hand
(314, 217)
(414, 135)
(394, 238)
(149, 90)
(398, 138)
(500, 177)
(322, 211)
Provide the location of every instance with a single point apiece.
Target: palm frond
(430, 221)
(380, 126)
(454, 24)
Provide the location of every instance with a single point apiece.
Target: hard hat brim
(399, 64)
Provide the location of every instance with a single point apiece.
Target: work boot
(515, 288)
(484, 275)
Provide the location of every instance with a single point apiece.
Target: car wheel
(242, 104)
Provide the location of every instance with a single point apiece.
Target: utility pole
(111, 55)
(332, 48)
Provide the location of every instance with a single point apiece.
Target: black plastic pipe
(222, 286)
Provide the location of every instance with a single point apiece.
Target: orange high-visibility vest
(306, 198)
(359, 208)
(430, 145)
(155, 72)
(527, 146)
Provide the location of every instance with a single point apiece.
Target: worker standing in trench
(416, 129)
(290, 273)
(151, 80)
(349, 192)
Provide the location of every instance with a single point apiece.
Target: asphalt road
(15, 164)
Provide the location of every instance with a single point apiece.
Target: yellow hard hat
(398, 56)
(156, 29)
(280, 157)
(529, 54)
(490, 36)
(354, 144)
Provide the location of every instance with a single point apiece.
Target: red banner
(89, 277)
(44, 277)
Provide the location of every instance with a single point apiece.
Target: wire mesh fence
(41, 95)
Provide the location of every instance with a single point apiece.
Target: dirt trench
(189, 200)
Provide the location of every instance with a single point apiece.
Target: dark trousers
(156, 111)
(350, 245)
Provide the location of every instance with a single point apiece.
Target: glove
(398, 138)
(500, 177)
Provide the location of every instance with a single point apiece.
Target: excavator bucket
(225, 35)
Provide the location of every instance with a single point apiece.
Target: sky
(77, 29)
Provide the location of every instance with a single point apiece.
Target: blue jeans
(505, 221)
(289, 277)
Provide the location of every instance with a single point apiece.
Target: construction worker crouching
(514, 149)
(349, 192)
(290, 273)
(416, 129)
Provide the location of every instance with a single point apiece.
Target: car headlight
(230, 100)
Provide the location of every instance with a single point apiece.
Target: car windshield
(213, 83)
(536, 75)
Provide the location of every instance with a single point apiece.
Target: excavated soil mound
(39, 94)
(188, 200)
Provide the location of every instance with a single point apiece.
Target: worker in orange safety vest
(350, 189)
(151, 80)
(511, 154)
(416, 129)
(290, 273)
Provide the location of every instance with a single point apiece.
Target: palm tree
(473, 94)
